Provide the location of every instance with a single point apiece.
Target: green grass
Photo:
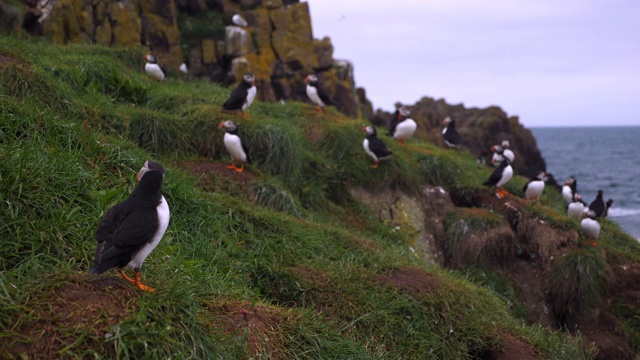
(77, 122)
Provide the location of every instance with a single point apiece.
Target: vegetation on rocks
(279, 261)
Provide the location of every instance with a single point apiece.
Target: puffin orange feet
(140, 285)
(239, 169)
(375, 165)
(136, 280)
(124, 276)
(231, 166)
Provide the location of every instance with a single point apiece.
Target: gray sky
(550, 62)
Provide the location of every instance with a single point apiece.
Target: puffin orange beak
(493, 148)
(138, 176)
(306, 80)
(221, 125)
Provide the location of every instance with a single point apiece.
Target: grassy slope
(72, 121)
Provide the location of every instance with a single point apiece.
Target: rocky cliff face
(480, 129)
(277, 44)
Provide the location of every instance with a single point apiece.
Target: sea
(605, 158)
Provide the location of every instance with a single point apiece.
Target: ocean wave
(620, 212)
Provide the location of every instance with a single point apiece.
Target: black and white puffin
(375, 147)
(590, 227)
(533, 189)
(500, 152)
(499, 177)
(598, 206)
(153, 69)
(316, 93)
(608, 205)
(569, 189)
(405, 127)
(130, 230)
(235, 146)
(242, 96)
(576, 209)
(449, 133)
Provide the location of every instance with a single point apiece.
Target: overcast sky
(552, 63)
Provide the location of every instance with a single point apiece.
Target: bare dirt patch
(73, 307)
(260, 326)
(214, 176)
(516, 349)
(412, 281)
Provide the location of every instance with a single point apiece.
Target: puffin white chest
(534, 190)
(575, 210)
(405, 129)
(312, 93)
(507, 173)
(365, 145)
(154, 70)
(590, 227)
(496, 159)
(233, 144)
(567, 194)
(163, 223)
(251, 95)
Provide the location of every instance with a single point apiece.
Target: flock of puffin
(131, 230)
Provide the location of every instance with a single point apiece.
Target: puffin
(590, 227)
(375, 147)
(405, 127)
(130, 230)
(449, 133)
(569, 189)
(235, 146)
(153, 69)
(499, 177)
(242, 96)
(598, 206)
(400, 114)
(576, 208)
(533, 189)
(608, 205)
(317, 94)
(500, 152)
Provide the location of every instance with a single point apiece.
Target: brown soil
(259, 325)
(214, 175)
(515, 349)
(88, 304)
(412, 281)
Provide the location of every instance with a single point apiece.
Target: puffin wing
(392, 124)
(524, 189)
(130, 231)
(245, 148)
(236, 99)
(324, 96)
(495, 176)
(379, 148)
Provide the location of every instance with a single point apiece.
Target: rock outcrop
(480, 129)
(277, 45)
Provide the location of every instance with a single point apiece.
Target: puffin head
(497, 149)
(590, 214)
(446, 121)
(577, 197)
(150, 165)
(150, 58)
(403, 113)
(228, 125)
(249, 79)
(505, 144)
(311, 79)
(542, 176)
(369, 130)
